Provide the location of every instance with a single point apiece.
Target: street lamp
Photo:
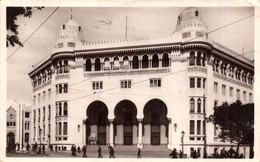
(182, 142)
(205, 136)
(40, 151)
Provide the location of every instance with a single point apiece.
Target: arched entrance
(155, 118)
(10, 141)
(125, 119)
(97, 122)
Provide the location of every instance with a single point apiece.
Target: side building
(137, 91)
(18, 123)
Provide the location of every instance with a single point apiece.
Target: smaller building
(17, 125)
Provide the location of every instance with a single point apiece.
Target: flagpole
(126, 27)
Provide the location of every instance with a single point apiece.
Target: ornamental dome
(70, 34)
(190, 24)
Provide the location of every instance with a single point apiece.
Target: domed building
(138, 92)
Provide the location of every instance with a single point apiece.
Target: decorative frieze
(197, 69)
(41, 86)
(223, 77)
(128, 72)
(62, 76)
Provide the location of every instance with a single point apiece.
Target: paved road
(93, 154)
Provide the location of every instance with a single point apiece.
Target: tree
(11, 16)
(236, 123)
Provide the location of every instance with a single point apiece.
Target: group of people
(231, 153)
(174, 154)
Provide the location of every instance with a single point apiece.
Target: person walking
(173, 154)
(43, 149)
(28, 148)
(99, 152)
(139, 153)
(194, 155)
(181, 154)
(111, 152)
(84, 150)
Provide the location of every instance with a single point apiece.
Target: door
(128, 135)
(155, 135)
(102, 135)
(11, 141)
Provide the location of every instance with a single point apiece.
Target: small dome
(189, 19)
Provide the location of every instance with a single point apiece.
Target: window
(204, 83)
(250, 97)
(198, 127)
(60, 109)
(43, 113)
(186, 34)
(155, 82)
(192, 59)
(244, 95)
(215, 129)
(65, 109)
(65, 88)
(43, 130)
(215, 87)
(192, 105)
(65, 128)
(62, 88)
(39, 114)
(192, 82)
(230, 91)
(198, 82)
(238, 94)
(60, 45)
(27, 114)
(97, 85)
(125, 83)
(49, 112)
(199, 34)
(223, 89)
(59, 133)
(71, 44)
(191, 126)
(7, 123)
(199, 105)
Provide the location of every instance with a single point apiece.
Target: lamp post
(182, 142)
(40, 151)
(205, 136)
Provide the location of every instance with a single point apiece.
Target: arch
(145, 63)
(135, 62)
(10, 141)
(165, 60)
(125, 114)
(198, 59)
(192, 58)
(59, 68)
(66, 66)
(192, 105)
(97, 64)
(198, 105)
(97, 120)
(116, 63)
(155, 115)
(155, 61)
(88, 65)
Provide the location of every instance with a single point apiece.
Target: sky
(146, 22)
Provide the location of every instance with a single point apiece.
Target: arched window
(65, 109)
(192, 58)
(145, 61)
(60, 109)
(192, 105)
(165, 60)
(106, 64)
(198, 60)
(59, 68)
(155, 61)
(97, 64)
(135, 62)
(196, 13)
(199, 105)
(116, 63)
(66, 66)
(88, 65)
(125, 60)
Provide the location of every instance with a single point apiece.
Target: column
(140, 134)
(170, 132)
(92, 66)
(111, 133)
(84, 132)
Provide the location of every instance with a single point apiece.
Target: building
(137, 91)
(17, 124)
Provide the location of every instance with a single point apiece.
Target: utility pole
(205, 130)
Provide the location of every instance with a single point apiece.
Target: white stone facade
(138, 91)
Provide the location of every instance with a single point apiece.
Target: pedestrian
(99, 152)
(111, 152)
(27, 147)
(78, 149)
(72, 150)
(84, 150)
(56, 148)
(181, 154)
(173, 154)
(139, 153)
(43, 149)
(194, 155)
